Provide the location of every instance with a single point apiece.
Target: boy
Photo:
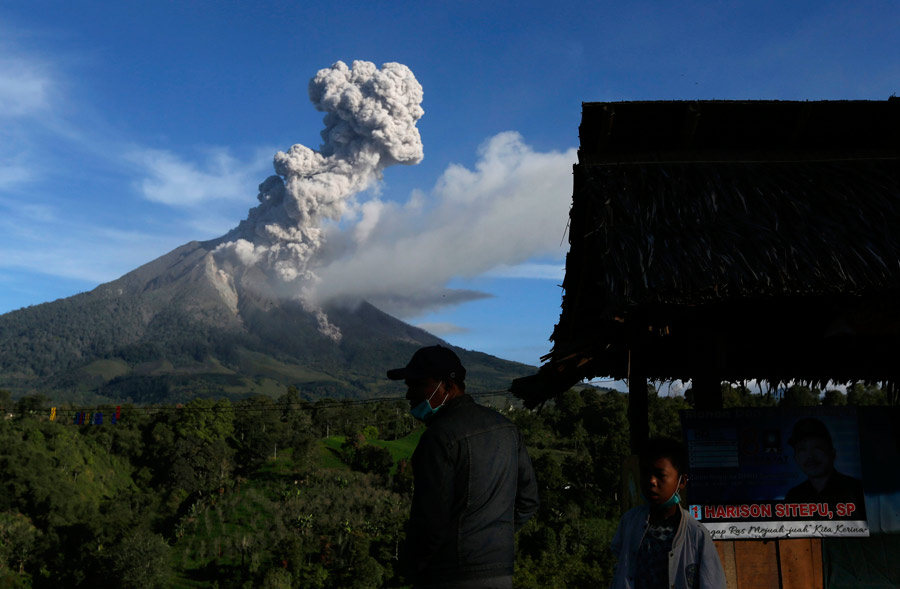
(658, 544)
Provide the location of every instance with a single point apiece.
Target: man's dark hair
(660, 447)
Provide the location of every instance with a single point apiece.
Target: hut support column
(638, 411)
(708, 361)
(707, 391)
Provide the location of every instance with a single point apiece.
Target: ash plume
(370, 124)
(510, 208)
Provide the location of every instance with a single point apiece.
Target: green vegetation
(107, 369)
(257, 364)
(265, 492)
(176, 343)
(214, 493)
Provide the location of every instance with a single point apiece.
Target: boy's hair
(659, 447)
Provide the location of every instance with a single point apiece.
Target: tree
(799, 396)
(5, 400)
(552, 484)
(834, 398)
(206, 420)
(665, 419)
(863, 395)
(736, 396)
(17, 541)
(140, 560)
(365, 457)
(31, 404)
(191, 448)
(569, 406)
(259, 431)
(298, 430)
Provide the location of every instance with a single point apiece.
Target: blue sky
(130, 128)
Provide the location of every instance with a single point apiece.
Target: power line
(239, 405)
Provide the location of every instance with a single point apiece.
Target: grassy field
(402, 448)
(330, 449)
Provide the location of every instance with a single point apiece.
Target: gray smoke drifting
(370, 124)
(510, 208)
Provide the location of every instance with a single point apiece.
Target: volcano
(228, 317)
(186, 326)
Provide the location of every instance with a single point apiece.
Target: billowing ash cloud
(370, 124)
(512, 207)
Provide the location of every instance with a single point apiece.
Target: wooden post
(707, 391)
(638, 411)
(708, 362)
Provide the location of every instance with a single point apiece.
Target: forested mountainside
(180, 328)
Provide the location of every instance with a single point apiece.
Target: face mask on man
(424, 411)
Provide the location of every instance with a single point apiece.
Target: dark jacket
(840, 488)
(474, 487)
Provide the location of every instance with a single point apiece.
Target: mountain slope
(183, 326)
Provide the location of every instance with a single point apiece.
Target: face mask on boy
(675, 499)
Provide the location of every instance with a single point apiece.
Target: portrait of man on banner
(776, 472)
(815, 455)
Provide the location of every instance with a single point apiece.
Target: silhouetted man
(474, 485)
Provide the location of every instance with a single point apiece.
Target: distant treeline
(281, 492)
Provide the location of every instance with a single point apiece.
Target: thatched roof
(747, 240)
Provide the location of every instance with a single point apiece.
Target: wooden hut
(732, 241)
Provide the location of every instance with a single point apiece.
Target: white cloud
(20, 217)
(173, 181)
(82, 252)
(537, 271)
(512, 207)
(13, 174)
(25, 91)
(24, 87)
(442, 328)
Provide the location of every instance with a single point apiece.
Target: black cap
(809, 427)
(431, 362)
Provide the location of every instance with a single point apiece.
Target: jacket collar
(450, 406)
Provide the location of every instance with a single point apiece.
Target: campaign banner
(776, 472)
